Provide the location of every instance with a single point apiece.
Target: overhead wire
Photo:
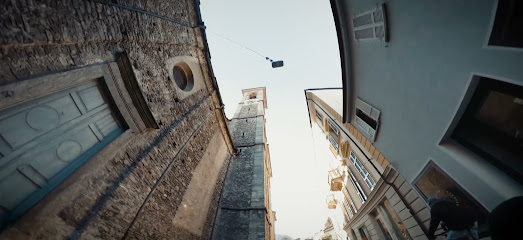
(241, 45)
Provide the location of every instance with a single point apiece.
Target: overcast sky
(302, 33)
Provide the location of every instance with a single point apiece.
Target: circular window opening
(183, 77)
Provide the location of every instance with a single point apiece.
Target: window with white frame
(346, 208)
(363, 171)
(353, 207)
(371, 25)
(358, 189)
(333, 143)
(319, 116)
(332, 126)
(367, 119)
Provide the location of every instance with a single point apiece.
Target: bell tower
(246, 209)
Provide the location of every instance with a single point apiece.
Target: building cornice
(217, 98)
(374, 198)
(342, 28)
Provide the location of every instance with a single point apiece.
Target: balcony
(337, 178)
(331, 201)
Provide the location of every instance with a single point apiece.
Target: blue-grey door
(42, 141)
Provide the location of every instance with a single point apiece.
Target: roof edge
(343, 43)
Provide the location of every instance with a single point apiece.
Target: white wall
(419, 78)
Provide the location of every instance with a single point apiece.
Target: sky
(303, 35)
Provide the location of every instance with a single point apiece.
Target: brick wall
(100, 201)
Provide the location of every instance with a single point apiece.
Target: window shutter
(371, 25)
(368, 122)
(334, 143)
(345, 149)
(319, 116)
(362, 20)
(333, 128)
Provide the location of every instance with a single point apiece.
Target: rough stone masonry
(246, 210)
(163, 182)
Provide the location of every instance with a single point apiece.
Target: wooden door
(42, 141)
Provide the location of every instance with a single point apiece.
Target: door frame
(127, 99)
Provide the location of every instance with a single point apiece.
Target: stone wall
(245, 209)
(138, 188)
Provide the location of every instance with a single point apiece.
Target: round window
(183, 77)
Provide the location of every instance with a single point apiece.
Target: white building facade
(368, 198)
(437, 87)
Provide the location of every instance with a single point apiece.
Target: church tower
(245, 211)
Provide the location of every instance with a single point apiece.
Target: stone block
(411, 196)
(418, 205)
(410, 222)
(421, 237)
(415, 231)
(424, 214)
(399, 206)
(399, 181)
(427, 224)
(405, 188)
(405, 214)
(390, 192)
(394, 199)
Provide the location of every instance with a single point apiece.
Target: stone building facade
(246, 208)
(111, 121)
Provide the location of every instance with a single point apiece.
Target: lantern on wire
(275, 64)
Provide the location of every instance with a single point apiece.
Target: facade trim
(131, 84)
(217, 98)
(342, 31)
